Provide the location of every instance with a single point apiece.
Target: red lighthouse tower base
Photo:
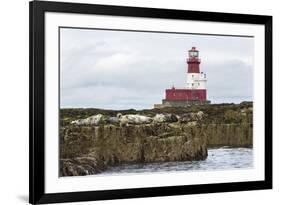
(186, 94)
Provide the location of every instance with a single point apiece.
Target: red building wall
(186, 94)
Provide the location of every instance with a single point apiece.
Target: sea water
(218, 159)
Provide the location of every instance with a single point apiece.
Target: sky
(125, 69)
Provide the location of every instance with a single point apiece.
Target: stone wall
(180, 103)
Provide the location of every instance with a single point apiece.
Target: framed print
(141, 102)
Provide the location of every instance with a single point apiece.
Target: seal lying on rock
(189, 117)
(200, 115)
(93, 120)
(160, 118)
(133, 119)
(112, 120)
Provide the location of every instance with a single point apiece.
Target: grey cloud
(121, 70)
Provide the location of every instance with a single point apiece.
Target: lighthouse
(194, 90)
(195, 79)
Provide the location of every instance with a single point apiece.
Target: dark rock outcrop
(80, 166)
(232, 135)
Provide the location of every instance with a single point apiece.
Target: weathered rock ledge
(110, 145)
(88, 149)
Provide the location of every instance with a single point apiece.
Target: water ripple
(218, 159)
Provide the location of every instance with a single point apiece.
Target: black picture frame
(37, 9)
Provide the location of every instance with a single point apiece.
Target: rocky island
(91, 140)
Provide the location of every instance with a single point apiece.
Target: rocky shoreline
(89, 146)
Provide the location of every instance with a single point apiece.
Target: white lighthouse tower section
(196, 81)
